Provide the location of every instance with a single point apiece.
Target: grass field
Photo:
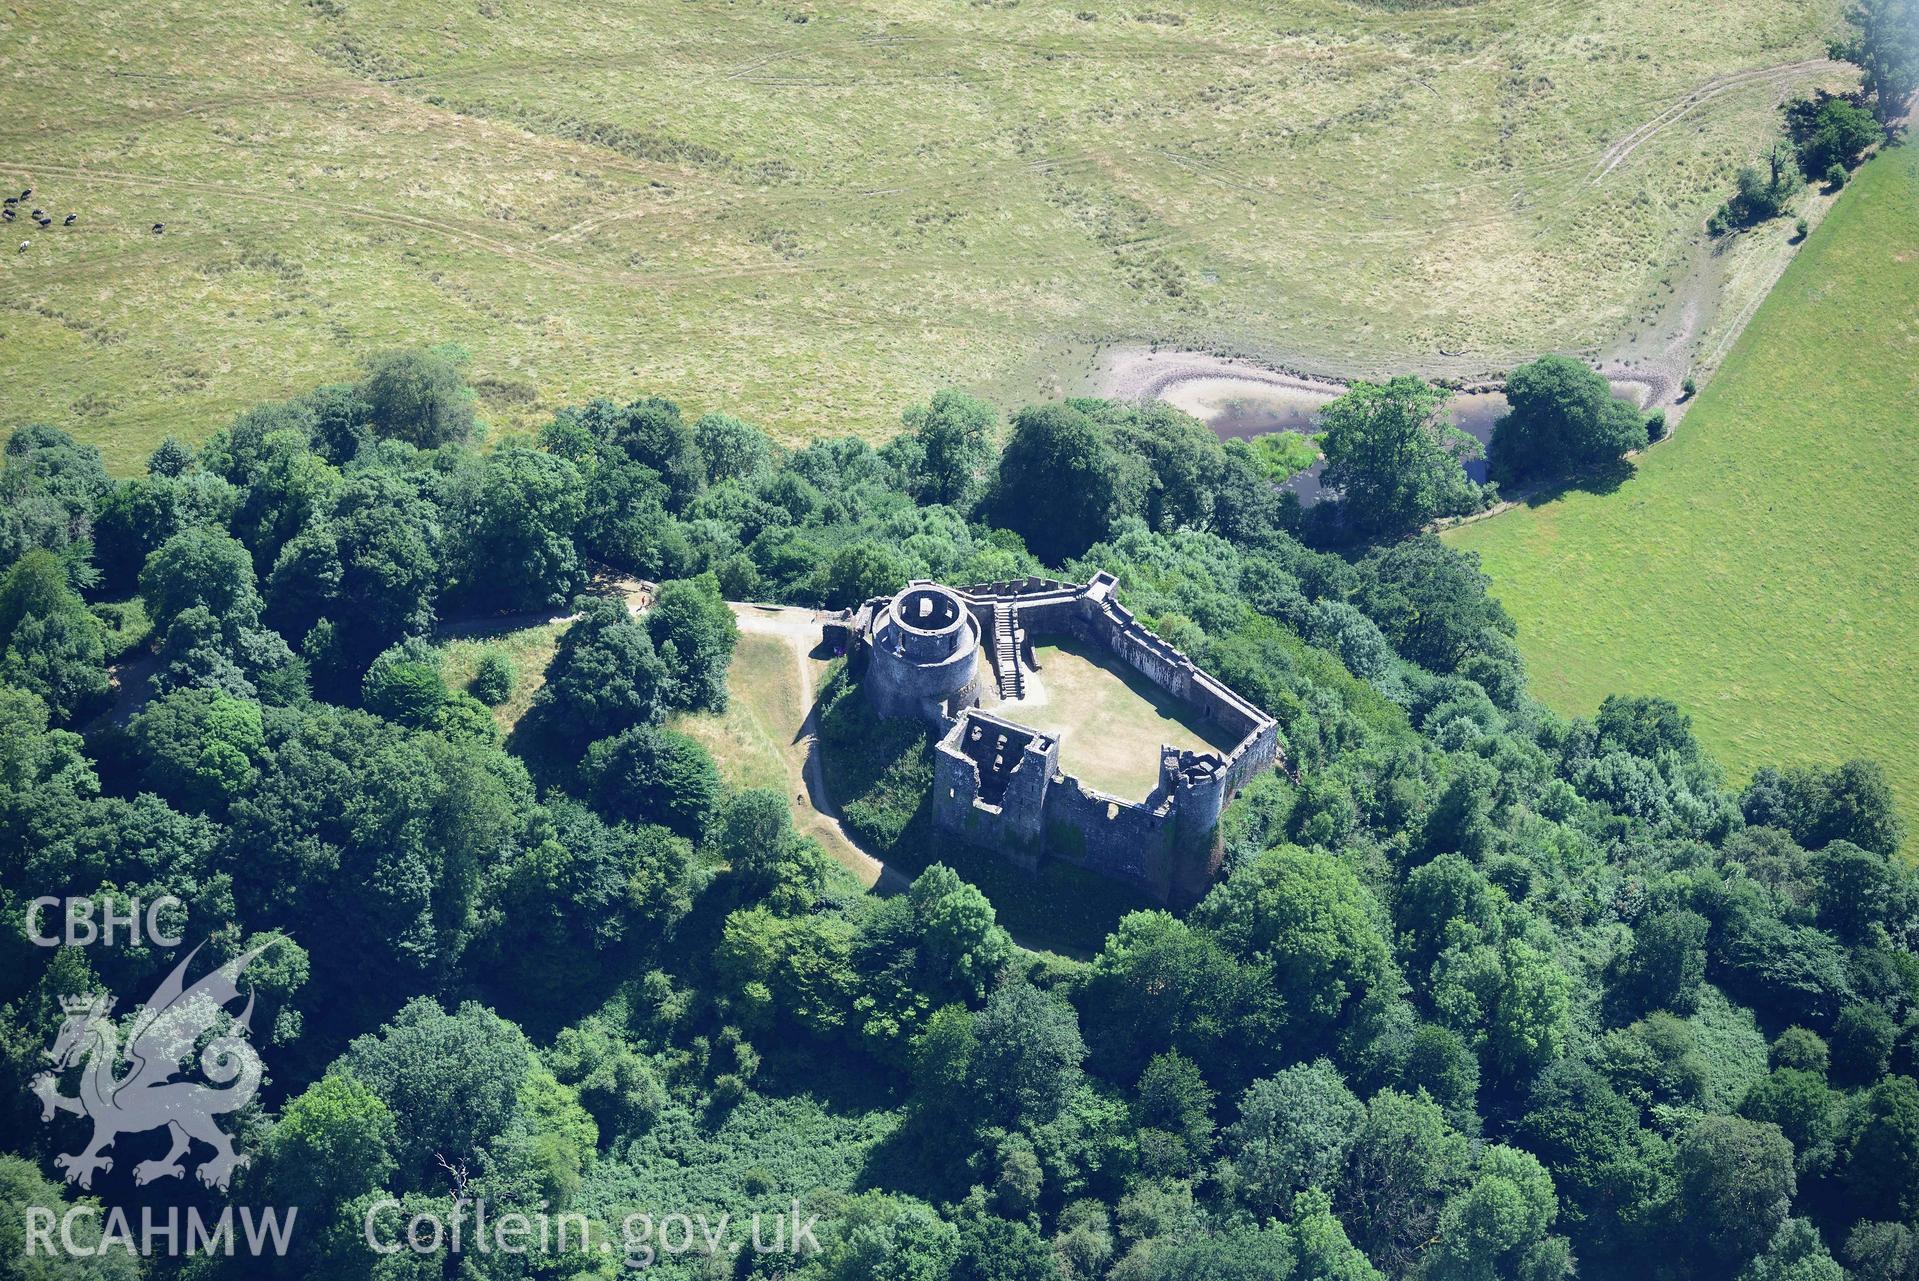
(1111, 721)
(757, 742)
(1763, 567)
(752, 740)
(813, 213)
(528, 649)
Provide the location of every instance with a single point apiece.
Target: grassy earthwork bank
(1762, 568)
(753, 740)
(527, 649)
(811, 214)
(758, 741)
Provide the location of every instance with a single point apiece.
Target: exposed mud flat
(1238, 400)
(1237, 407)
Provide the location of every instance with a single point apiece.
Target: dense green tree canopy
(1563, 419)
(1058, 483)
(517, 522)
(1305, 915)
(693, 633)
(454, 1077)
(653, 775)
(606, 676)
(1472, 974)
(730, 449)
(954, 435)
(204, 568)
(372, 565)
(1293, 1133)
(1735, 1183)
(1884, 44)
(1028, 1054)
(49, 643)
(1392, 457)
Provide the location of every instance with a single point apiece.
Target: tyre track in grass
(1622, 150)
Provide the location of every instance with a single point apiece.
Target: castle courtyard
(1110, 720)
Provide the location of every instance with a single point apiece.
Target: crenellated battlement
(948, 656)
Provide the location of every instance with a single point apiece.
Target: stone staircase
(1012, 681)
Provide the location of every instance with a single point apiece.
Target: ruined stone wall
(1109, 624)
(1129, 842)
(1001, 809)
(1115, 629)
(1168, 846)
(1042, 605)
(929, 693)
(922, 663)
(1256, 753)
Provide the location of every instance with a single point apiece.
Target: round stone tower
(925, 661)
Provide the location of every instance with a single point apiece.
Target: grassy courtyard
(811, 213)
(1763, 567)
(1112, 721)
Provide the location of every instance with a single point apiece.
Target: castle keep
(958, 660)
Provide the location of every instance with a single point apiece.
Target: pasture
(812, 214)
(1762, 568)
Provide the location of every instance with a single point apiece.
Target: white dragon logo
(147, 1097)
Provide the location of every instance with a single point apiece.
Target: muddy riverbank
(1239, 399)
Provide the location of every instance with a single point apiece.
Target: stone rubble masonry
(945, 656)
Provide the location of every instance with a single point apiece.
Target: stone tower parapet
(941, 655)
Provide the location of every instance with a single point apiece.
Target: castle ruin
(949, 657)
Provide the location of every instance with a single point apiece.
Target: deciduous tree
(653, 775)
(420, 397)
(1393, 459)
(606, 676)
(954, 434)
(1735, 1183)
(1563, 418)
(1027, 1055)
(1293, 1133)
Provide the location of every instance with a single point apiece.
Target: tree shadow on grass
(920, 1159)
(550, 749)
(1059, 908)
(842, 1082)
(1604, 479)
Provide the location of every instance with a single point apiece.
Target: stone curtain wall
(1129, 842)
(1167, 846)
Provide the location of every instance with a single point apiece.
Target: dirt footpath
(814, 810)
